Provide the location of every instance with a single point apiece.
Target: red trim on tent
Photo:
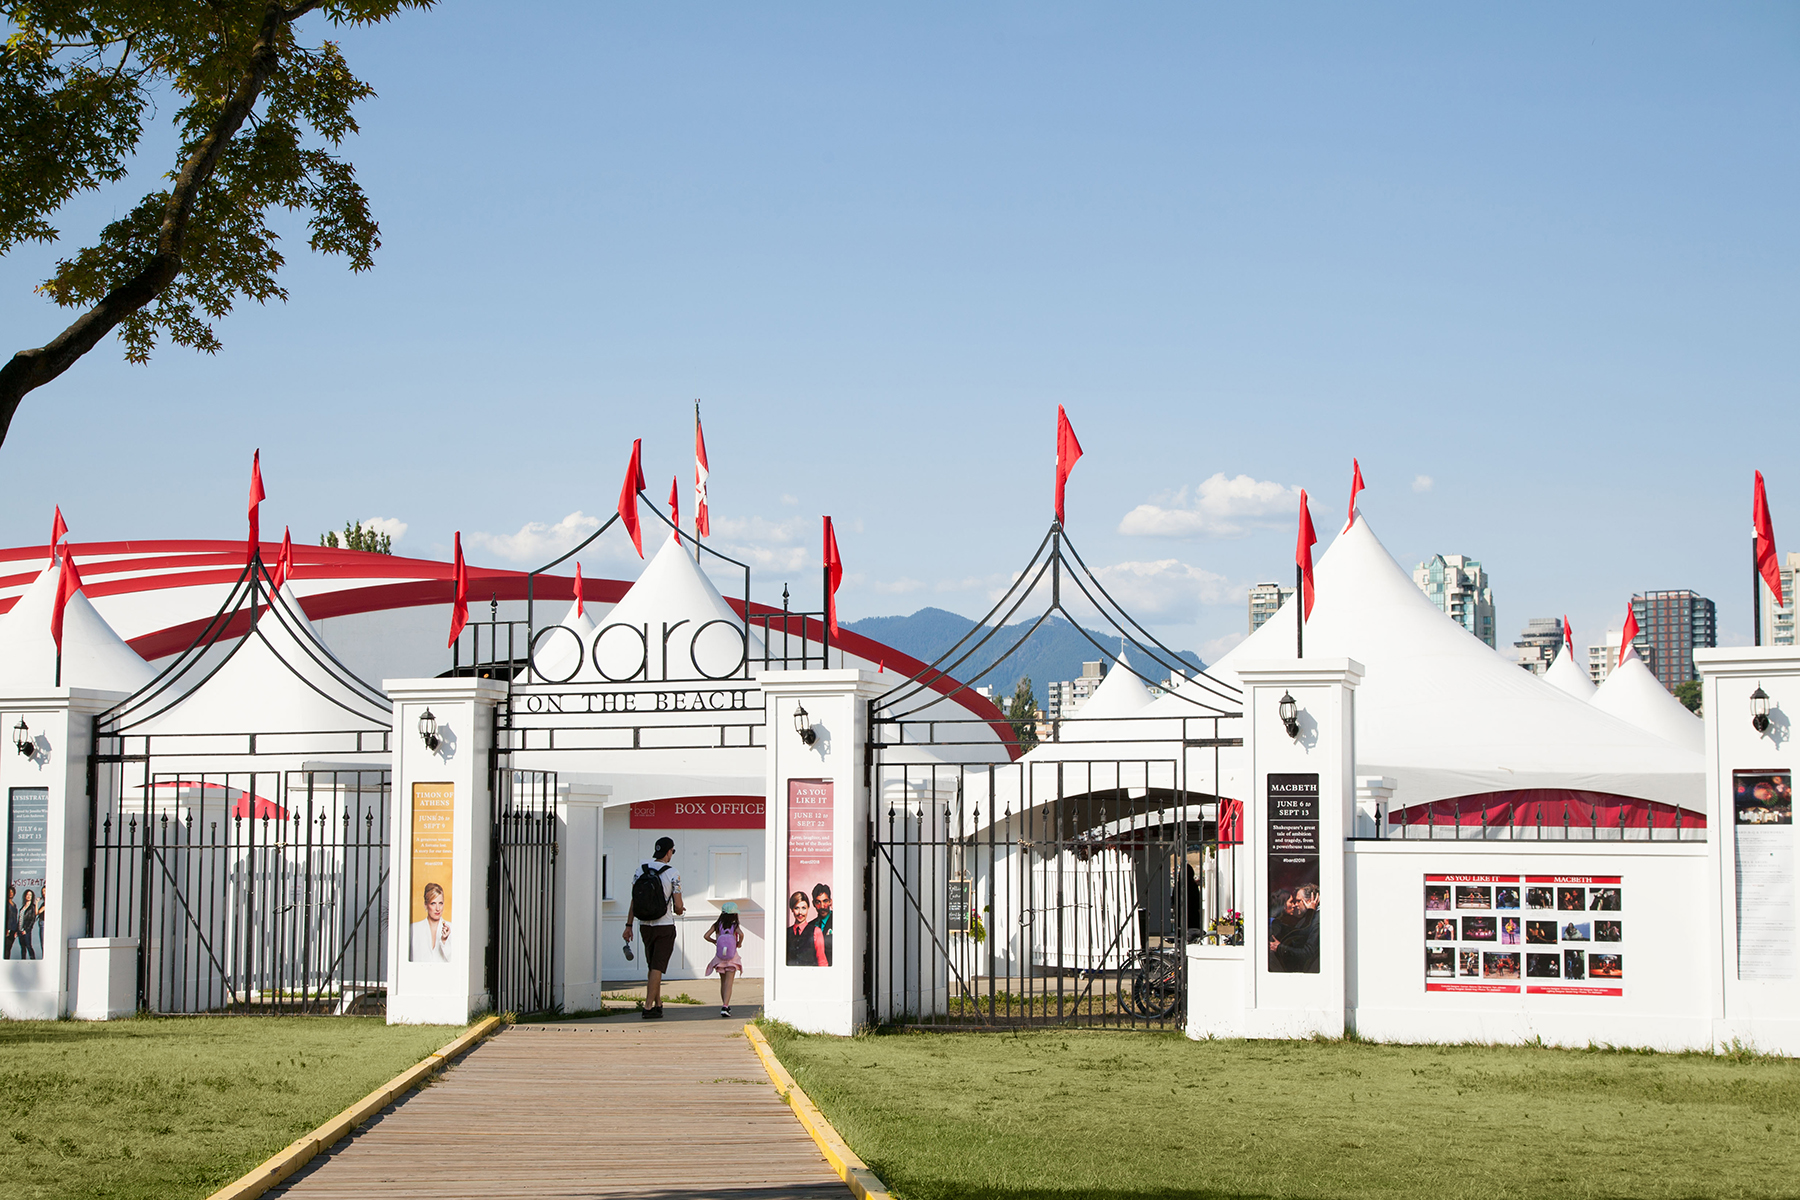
(1552, 807)
(265, 809)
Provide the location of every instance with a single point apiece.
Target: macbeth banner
(809, 860)
(27, 829)
(1763, 804)
(433, 888)
(1293, 874)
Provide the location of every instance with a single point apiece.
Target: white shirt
(671, 881)
(424, 948)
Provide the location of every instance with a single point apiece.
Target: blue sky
(1536, 267)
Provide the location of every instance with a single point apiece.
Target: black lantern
(803, 725)
(22, 739)
(1290, 714)
(1759, 710)
(428, 730)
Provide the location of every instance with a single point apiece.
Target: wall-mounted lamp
(1290, 714)
(803, 725)
(428, 730)
(22, 739)
(1759, 710)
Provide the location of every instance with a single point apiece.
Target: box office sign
(700, 812)
(433, 882)
(811, 824)
(1293, 862)
(1544, 935)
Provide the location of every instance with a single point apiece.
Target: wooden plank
(607, 1109)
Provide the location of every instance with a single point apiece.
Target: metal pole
(1299, 611)
(697, 467)
(825, 618)
(1755, 592)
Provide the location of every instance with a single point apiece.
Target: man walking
(655, 903)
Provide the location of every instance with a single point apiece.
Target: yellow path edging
(279, 1166)
(852, 1170)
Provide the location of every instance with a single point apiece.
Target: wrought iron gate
(522, 890)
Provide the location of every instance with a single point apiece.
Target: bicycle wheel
(1155, 990)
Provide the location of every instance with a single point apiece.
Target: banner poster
(27, 834)
(1764, 808)
(1293, 863)
(1544, 935)
(433, 888)
(810, 816)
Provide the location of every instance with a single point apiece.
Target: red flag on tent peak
(628, 494)
(834, 575)
(702, 517)
(580, 601)
(67, 584)
(459, 611)
(1303, 555)
(257, 496)
(1356, 486)
(284, 562)
(1766, 564)
(59, 529)
(1628, 635)
(1068, 450)
(675, 504)
(1568, 633)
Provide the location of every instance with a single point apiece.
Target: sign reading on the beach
(1293, 864)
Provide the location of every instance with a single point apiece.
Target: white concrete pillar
(581, 832)
(1301, 809)
(432, 788)
(44, 822)
(1373, 794)
(814, 789)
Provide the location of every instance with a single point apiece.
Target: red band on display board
(1574, 991)
(700, 812)
(1474, 987)
(1573, 878)
(1471, 879)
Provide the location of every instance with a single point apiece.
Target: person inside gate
(431, 937)
(799, 932)
(821, 924)
(725, 935)
(655, 903)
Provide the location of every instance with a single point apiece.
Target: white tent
(672, 624)
(1567, 676)
(93, 655)
(1445, 715)
(1633, 694)
(559, 657)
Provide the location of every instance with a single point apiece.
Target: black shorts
(659, 943)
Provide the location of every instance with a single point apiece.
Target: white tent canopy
(683, 627)
(93, 655)
(1567, 676)
(1631, 693)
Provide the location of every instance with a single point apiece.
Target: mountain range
(1055, 651)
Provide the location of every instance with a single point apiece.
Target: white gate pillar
(1300, 809)
(581, 831)
(440, 828)
(818, 832)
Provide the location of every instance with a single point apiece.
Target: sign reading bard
(700, 812)
(27, 836)
(1293, 862)
(810, 829)
(1763, 805)
(433, 886)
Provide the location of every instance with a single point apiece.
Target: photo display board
(1293, 874)
(808, 908)
(1544, 935)
(27, 839)
(433, 855)
(1763, 808)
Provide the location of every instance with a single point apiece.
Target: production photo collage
(1552, 935)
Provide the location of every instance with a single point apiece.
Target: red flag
(675, 504)
(67, 584)
(284, 562)
(1231, 822)
(459, 614)
(580, 601)
(1628, 636)
(59, 529)
(702, 520)
(1356, 485)
(1303, 554)
(628, 494)
(257, 496)
(1766, 565)
(1067, 451)
(1568, 634)
(834, 575)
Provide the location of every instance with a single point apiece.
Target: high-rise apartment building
(1265, 600)
(1778, 619)
(1062, 697)
(1458, 586)
(1604, 658)
(1673, 624)
(1537, 646)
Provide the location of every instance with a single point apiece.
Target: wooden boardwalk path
(615, 1108)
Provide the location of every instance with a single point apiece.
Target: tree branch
(31, 369)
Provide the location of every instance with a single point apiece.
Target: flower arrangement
(1227, 929)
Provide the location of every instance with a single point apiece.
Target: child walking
(725, 936)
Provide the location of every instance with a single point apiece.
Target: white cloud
(394, 527)
(537, 542)
(1167, 591)
(1219, 647)
(1218, 507)
(1421, 483)
(895, 587)
(765, 544)
(787, 499)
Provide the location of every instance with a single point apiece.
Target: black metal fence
(522, 891)
(251, 891)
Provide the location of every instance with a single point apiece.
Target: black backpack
(647, 900)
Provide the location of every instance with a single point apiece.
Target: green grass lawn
(172, 1108)
(1115, 1115)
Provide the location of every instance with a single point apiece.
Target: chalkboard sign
(961, 890)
